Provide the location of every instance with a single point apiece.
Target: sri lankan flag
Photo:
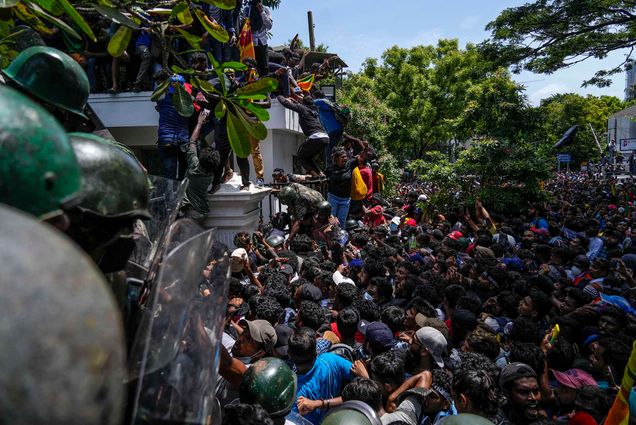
(619, 413)
(305, 83)
(246, 42)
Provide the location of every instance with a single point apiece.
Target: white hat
(236, 260)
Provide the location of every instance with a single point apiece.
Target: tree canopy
(165, 21)
(426, 97)
(547, 35)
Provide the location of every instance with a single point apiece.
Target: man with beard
(519, 383)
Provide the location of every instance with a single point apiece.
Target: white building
(132, 120)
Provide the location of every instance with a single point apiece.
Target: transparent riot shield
(173, 363)
(166, 197)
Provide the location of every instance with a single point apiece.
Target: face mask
(367, 297)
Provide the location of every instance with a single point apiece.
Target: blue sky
(357, 29)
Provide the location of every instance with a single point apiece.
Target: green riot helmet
(270, 383)
(51, 76)
(324, 208)
(351, 225)
(114, 184)
(465, 419)
(352, 413)
(64, 356)
(287, 195)
(39, 173)
(275, 240)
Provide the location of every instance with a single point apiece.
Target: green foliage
(548, 35)
(506, 176)
(391, 172)
(118, 43)
(244, 114)
(560, 112)
(426, 97)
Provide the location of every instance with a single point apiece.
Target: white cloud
(546, 91)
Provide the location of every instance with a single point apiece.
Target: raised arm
(289, 104)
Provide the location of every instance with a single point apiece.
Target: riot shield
(166, 197)
(173, 363)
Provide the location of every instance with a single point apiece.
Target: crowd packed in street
(365, 304)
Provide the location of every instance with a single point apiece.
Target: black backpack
(344, 351)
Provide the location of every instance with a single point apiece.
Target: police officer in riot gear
(39, 172)
(53, 79)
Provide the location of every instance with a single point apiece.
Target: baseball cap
(432, 322)
(310, 292)
(515, 371)
(434, 341)
(286, 269)
(573, 378)
(456, 234)
(262, 332)
(236, 260)
(376, 333)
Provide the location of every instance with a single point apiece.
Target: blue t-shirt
(173, 128)
(323, 381)
(144, 39)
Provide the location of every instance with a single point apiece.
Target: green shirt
(199, 181)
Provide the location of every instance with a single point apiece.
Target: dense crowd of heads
(520, 318)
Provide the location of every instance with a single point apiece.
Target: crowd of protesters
(523, 318)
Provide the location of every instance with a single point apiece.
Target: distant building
(630, 80)
(622, 130)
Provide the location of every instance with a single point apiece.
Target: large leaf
(193, 40)
(178, 70)
(29, 18)
(263, 86)
(182, 12)
(52, 19)
(5, 4)
(222, 4)
(212, 27)
(182, 101)
(116, 16)
(237, 66)
(118, 43)
(77, 18)
(52, 6)
(205, 86)
(260, 113)
(251, 124)
(251, 97)
(215, 64)
(160, 90)
(220, 109)
(238, 136)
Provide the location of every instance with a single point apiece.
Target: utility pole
(312, 38)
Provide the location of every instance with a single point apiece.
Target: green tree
(244, 115)
(426, 97)
(547, 35)
(561, 111)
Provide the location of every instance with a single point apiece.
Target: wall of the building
(621, 128)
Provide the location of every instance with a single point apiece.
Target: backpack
(344, 351)
(343, 114)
